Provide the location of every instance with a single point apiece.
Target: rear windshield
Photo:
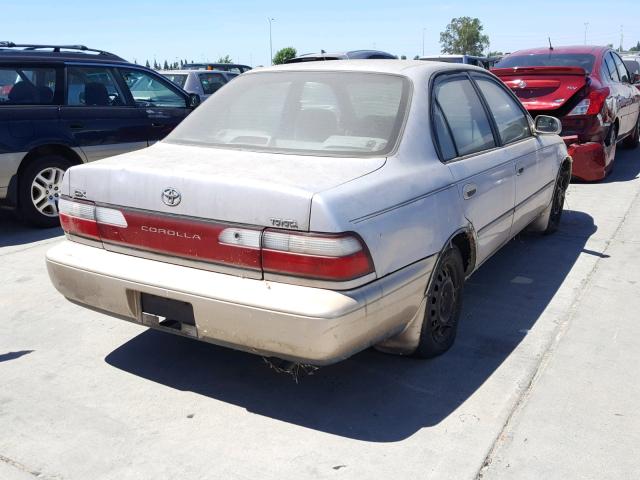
(320, 113)
(583, 60)
(177, 78)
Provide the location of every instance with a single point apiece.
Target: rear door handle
(469, 190)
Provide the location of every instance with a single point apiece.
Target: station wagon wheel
(45, 190)
(443, 306)
(39, 189)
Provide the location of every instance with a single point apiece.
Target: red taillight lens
(592, 104)
(327, 257)
(597, 99)
(78, 218)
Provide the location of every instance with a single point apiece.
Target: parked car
(66, 105)
(224, 67)
(589, 89)
(200, 82)
(350, 55)
(484, 62)
(333, 207)
(632, 62)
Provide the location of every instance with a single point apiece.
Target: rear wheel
(39, 190)
(443, 306)
(633, 140)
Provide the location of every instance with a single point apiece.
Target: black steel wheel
(443, 306)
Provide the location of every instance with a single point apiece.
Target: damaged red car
(589, 89)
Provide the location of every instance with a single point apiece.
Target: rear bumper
(589, 161)
(304, 324)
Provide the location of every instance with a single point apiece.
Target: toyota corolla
(309, 211)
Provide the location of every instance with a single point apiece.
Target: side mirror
(545, 125)
(194, 100)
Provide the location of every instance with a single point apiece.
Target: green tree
(495, 53)
(147, 64)
(636, 48)
(417, 57)
(165, 66)
(284, 54)
(463, 36)
(403, 57)
(225, 59)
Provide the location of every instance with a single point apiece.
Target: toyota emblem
(522, 84)
(171, 197)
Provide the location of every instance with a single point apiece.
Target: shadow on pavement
(14, 232)
(626, 165)
(372, 396)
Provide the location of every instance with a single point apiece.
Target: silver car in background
(309, 211)
(201, 82)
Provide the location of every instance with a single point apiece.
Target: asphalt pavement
(541, 383)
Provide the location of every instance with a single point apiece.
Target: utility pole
(270, 41)
(423, 30)
(586, 25)
(621, 36)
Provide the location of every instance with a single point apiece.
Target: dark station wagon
(66, 105)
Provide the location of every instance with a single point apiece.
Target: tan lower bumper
(293, 322)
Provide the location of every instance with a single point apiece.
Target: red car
(589, 89)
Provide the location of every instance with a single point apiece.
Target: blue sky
(209, 29)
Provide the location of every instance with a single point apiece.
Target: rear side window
(622, 70)
(93, 87)
(22, 85)
(178, 78)
(445, 141)
(211, 82)
(611, 69)
(512, 123)
(465, 115)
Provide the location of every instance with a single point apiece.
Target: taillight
(83, 218)
(320, 256)
(592, 104)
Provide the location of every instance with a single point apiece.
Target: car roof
(350, 54)
(56, 53)
(407, 68)
(584, 49)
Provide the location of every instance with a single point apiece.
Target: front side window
(513, 124)
(324, 113)
(93, 87)
(211, 82)
(23, 85)
(149, 91)
(464, 114)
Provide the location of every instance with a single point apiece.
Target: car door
(535, 169)
(163, 103)
(628, 95)
(484, 174)
(97, 114)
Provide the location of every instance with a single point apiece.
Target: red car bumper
(589, 160)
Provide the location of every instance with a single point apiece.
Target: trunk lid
(544, 88)
(241, 187)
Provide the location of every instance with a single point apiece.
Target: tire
(633, 140)
(557, 203)
(444, 303)
(38, 190)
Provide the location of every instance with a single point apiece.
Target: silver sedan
(312, 210)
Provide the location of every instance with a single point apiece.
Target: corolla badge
(171, 196)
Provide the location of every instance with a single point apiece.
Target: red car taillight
(320, 256)
(592, 105)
